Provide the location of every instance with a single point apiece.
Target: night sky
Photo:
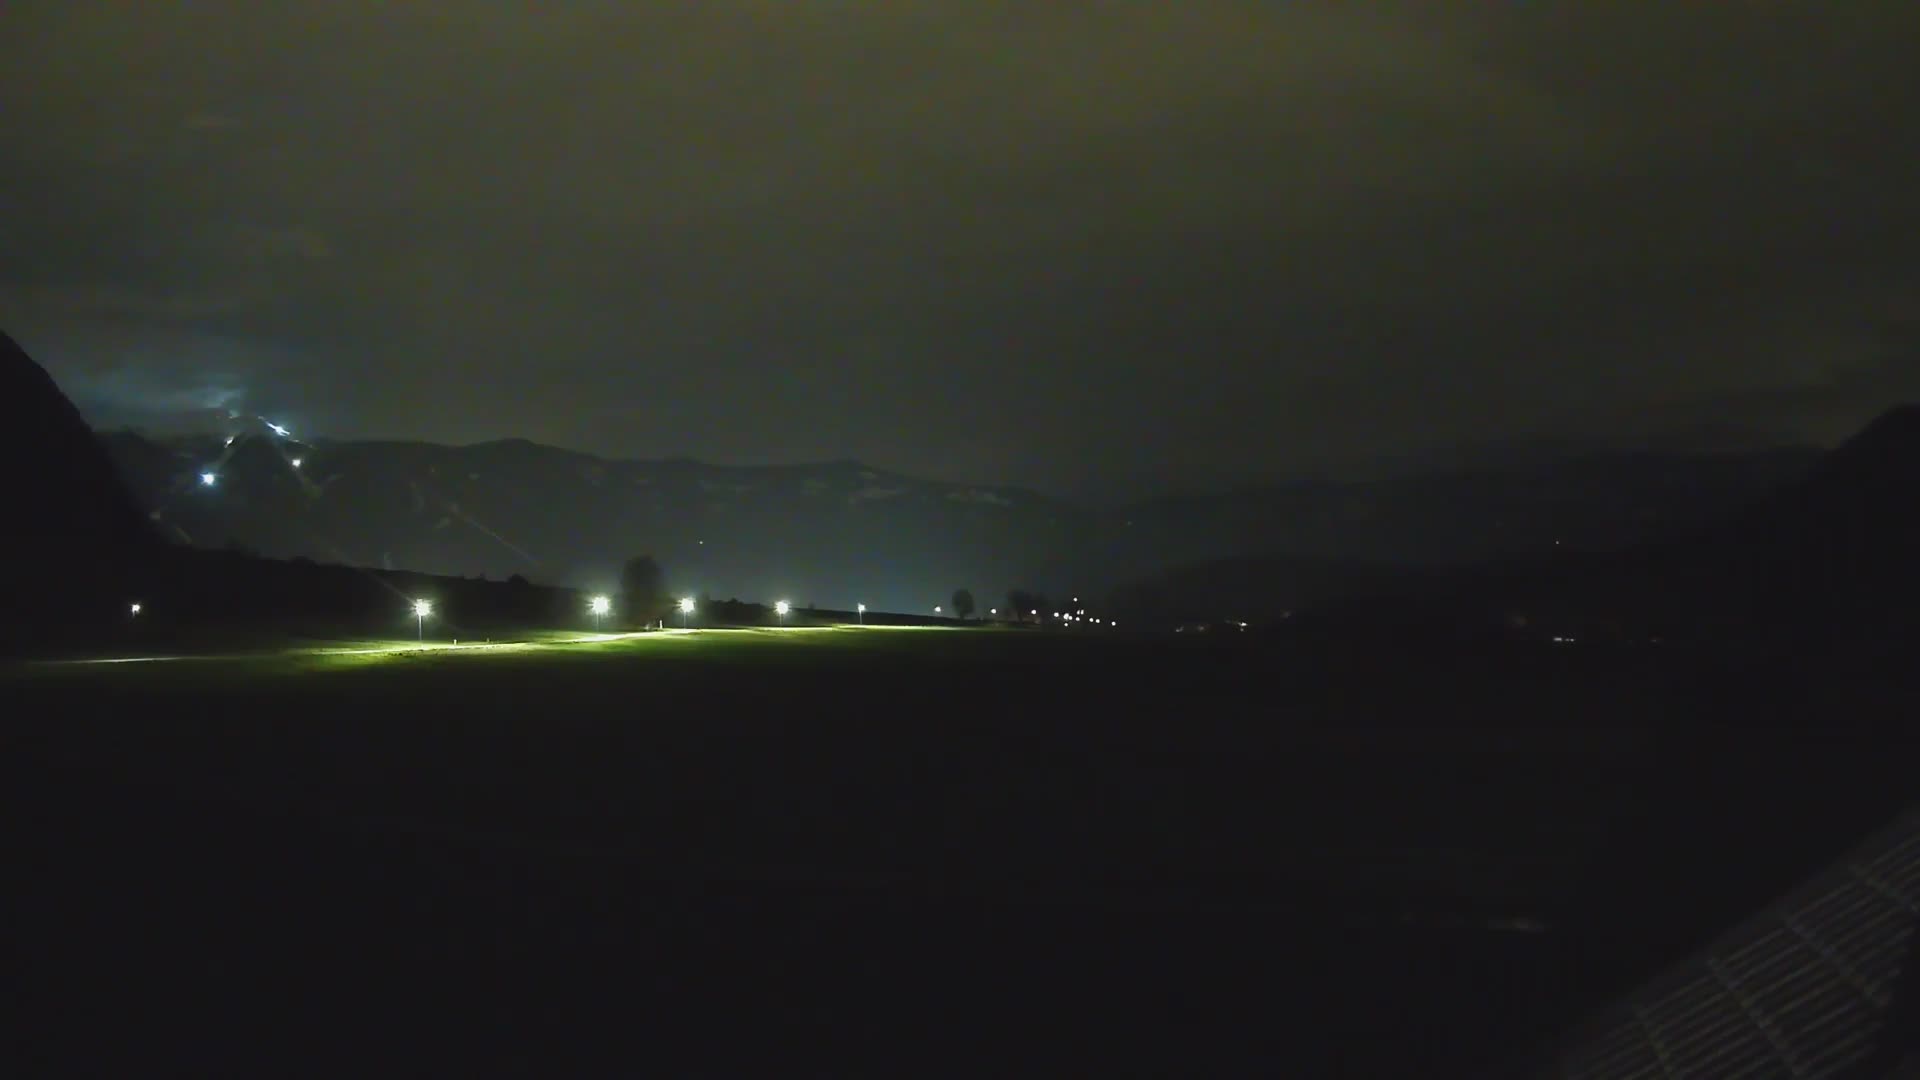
(1097, 249)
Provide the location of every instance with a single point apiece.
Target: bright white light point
(296, 463)
(686, 605)
(861, 607)
(133, 609)
(229, 441)
(277, 429)
(208, 479)
(782, 608)
(422, 608)
(1033, 613)
(993, 611)
(936, 609)
(599, 605)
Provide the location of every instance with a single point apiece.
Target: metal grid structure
(1820, 985)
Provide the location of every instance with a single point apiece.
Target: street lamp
(133, 608)
(208, 479)
(421, 609)
(781, 610)
(599, 606)
(936, 609)
(686, 609)
(861, 609)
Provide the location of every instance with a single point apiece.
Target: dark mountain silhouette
(74, 534)
(81, 552)
(1835, 551)
(845, 532)
(1828, 555)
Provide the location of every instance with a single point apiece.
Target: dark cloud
(1084, 246)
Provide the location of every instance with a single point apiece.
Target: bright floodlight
(862, 607)
(686, 605)
(133, 609)
(208, 479)
(422, 608)
(277, 429)
(936, 609)
(295, 463)
(599, 605)
(782, 608)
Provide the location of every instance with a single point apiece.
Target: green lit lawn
(540, 645)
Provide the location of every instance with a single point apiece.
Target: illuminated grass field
(865, 816)
(778, 645)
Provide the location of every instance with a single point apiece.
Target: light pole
(599, 606)
(862, 610)
(686, 609)
(781, 610)
(421, 609)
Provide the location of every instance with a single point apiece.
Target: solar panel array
(1807, 989)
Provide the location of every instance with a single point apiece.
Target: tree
(643, 590)
(1019, 602)
(1026, 606)
(963, 603)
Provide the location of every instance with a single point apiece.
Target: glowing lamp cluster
(599, 605)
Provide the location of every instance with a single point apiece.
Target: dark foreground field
(914, 851)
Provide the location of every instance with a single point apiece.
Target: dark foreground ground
(910, 851)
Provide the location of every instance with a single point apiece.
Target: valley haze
(840, 533)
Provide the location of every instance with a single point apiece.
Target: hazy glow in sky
(1089, 248)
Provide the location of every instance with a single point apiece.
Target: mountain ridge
(842, 532)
